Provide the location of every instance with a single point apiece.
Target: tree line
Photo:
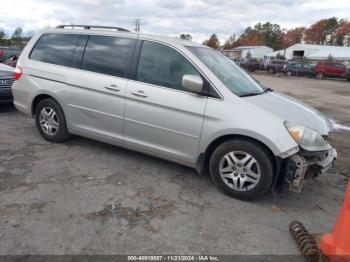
(331, 31)
(17, 39)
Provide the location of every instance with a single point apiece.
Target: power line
(137, 23)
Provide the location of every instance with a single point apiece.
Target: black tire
(320, 75)
(261, 155)
(272, 70)
(251, 69)
(61, 133)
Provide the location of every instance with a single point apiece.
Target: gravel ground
(86, 197)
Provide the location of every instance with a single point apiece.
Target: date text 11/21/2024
(173, 258)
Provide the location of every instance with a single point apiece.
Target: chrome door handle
(139, 93)
(113, 88)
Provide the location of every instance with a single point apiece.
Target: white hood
(292, 110)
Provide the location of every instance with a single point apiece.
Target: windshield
(235, 78)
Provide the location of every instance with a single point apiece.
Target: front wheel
(241, 168)
(289, 73)
(50, 120)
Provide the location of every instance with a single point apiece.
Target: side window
(55, 49)
(79, 51)
(340, 66)
(163, 66)
(107, 55)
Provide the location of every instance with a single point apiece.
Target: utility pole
(137, 24)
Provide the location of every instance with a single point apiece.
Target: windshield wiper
(268, 90)
(251, 94)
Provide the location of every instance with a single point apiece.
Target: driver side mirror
(192, 83)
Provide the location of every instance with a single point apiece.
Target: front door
(161, 117)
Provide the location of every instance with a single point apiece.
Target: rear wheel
(272, 70)
(242, 169)
(320, 75)
(251, 68)
(50, 121)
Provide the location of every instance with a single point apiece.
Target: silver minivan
(173, 99)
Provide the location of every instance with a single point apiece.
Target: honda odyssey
(173, 99)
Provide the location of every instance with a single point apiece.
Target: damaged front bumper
(307, 165)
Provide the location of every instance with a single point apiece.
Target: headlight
(307, 138)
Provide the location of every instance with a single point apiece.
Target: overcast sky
(200, 18)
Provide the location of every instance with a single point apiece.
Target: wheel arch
(40, 97)
(203, 158)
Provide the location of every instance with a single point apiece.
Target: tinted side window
(55, 49)
(338, 66)
(107, 55)
(163, 66)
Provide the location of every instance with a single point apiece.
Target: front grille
(6, 82)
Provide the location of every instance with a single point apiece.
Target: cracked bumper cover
(328, 161)
(307, 165)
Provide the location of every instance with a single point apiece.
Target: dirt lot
(86, 197)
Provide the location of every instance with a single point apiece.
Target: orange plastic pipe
(336, 246)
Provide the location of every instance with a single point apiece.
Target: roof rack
(93, 26)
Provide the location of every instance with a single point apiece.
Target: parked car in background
(347, 75)
(330, 69)
(252, 64)
(12, 61)
(238, 61)
(275, 66)
(7, 52)
(299, 69)
(6, 81)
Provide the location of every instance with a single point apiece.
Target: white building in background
(244, 51)
(314, 52)
(274, 54)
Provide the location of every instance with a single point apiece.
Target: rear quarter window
(55, 49)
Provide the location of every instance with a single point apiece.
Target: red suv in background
(330, 69)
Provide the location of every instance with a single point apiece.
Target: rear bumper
(6, 96)
(307, 165)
